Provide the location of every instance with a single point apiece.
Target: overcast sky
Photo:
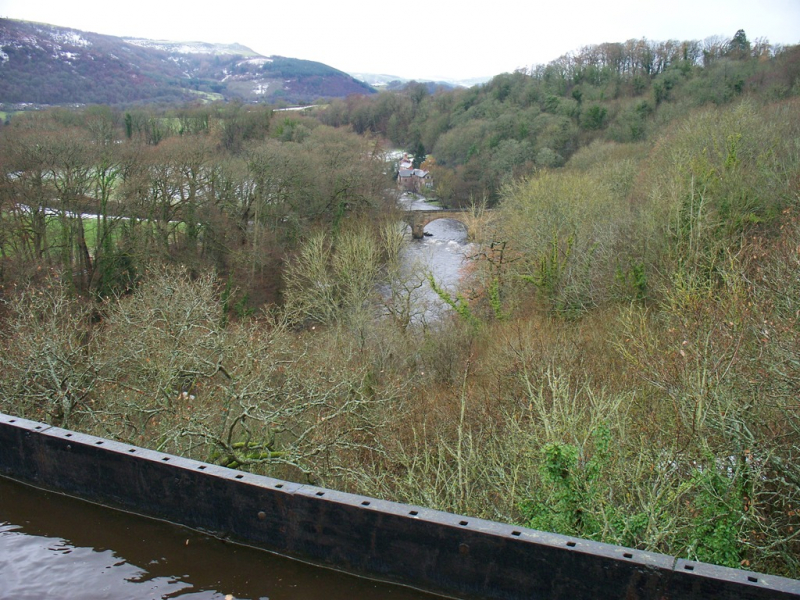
(436, 39)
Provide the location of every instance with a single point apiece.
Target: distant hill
(47, 64)
(392, 82)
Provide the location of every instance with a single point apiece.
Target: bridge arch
(418, 219)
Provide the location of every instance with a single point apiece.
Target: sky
(436, 39)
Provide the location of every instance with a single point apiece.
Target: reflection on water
(57, 547)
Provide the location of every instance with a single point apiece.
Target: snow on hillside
(256, 61)
(71, 38)
(191, 47)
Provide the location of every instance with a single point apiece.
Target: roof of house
(412, 173)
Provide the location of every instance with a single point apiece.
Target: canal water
(56, 547)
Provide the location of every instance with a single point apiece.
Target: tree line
(225, 188)
(538, 117)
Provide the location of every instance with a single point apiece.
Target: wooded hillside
(621, 362)
(50, 65)
(486, 136)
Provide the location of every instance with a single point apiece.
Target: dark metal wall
(436, 551)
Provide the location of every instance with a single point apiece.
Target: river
(442, 252)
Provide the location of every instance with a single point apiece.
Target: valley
(618, 361)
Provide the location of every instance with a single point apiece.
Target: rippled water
(443, 252)
(57, 547)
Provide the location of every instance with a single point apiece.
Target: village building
(410, 179)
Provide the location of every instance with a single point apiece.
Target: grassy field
(208, 96)
(91, 225)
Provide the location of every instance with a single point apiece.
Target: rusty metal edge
(411, 545)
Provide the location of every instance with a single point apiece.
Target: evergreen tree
(419, 155)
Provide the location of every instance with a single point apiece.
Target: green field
(55, 229)
(208, 96)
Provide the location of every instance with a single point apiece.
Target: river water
(56, 547)
(442, 252)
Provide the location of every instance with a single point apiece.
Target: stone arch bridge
(418, 219)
